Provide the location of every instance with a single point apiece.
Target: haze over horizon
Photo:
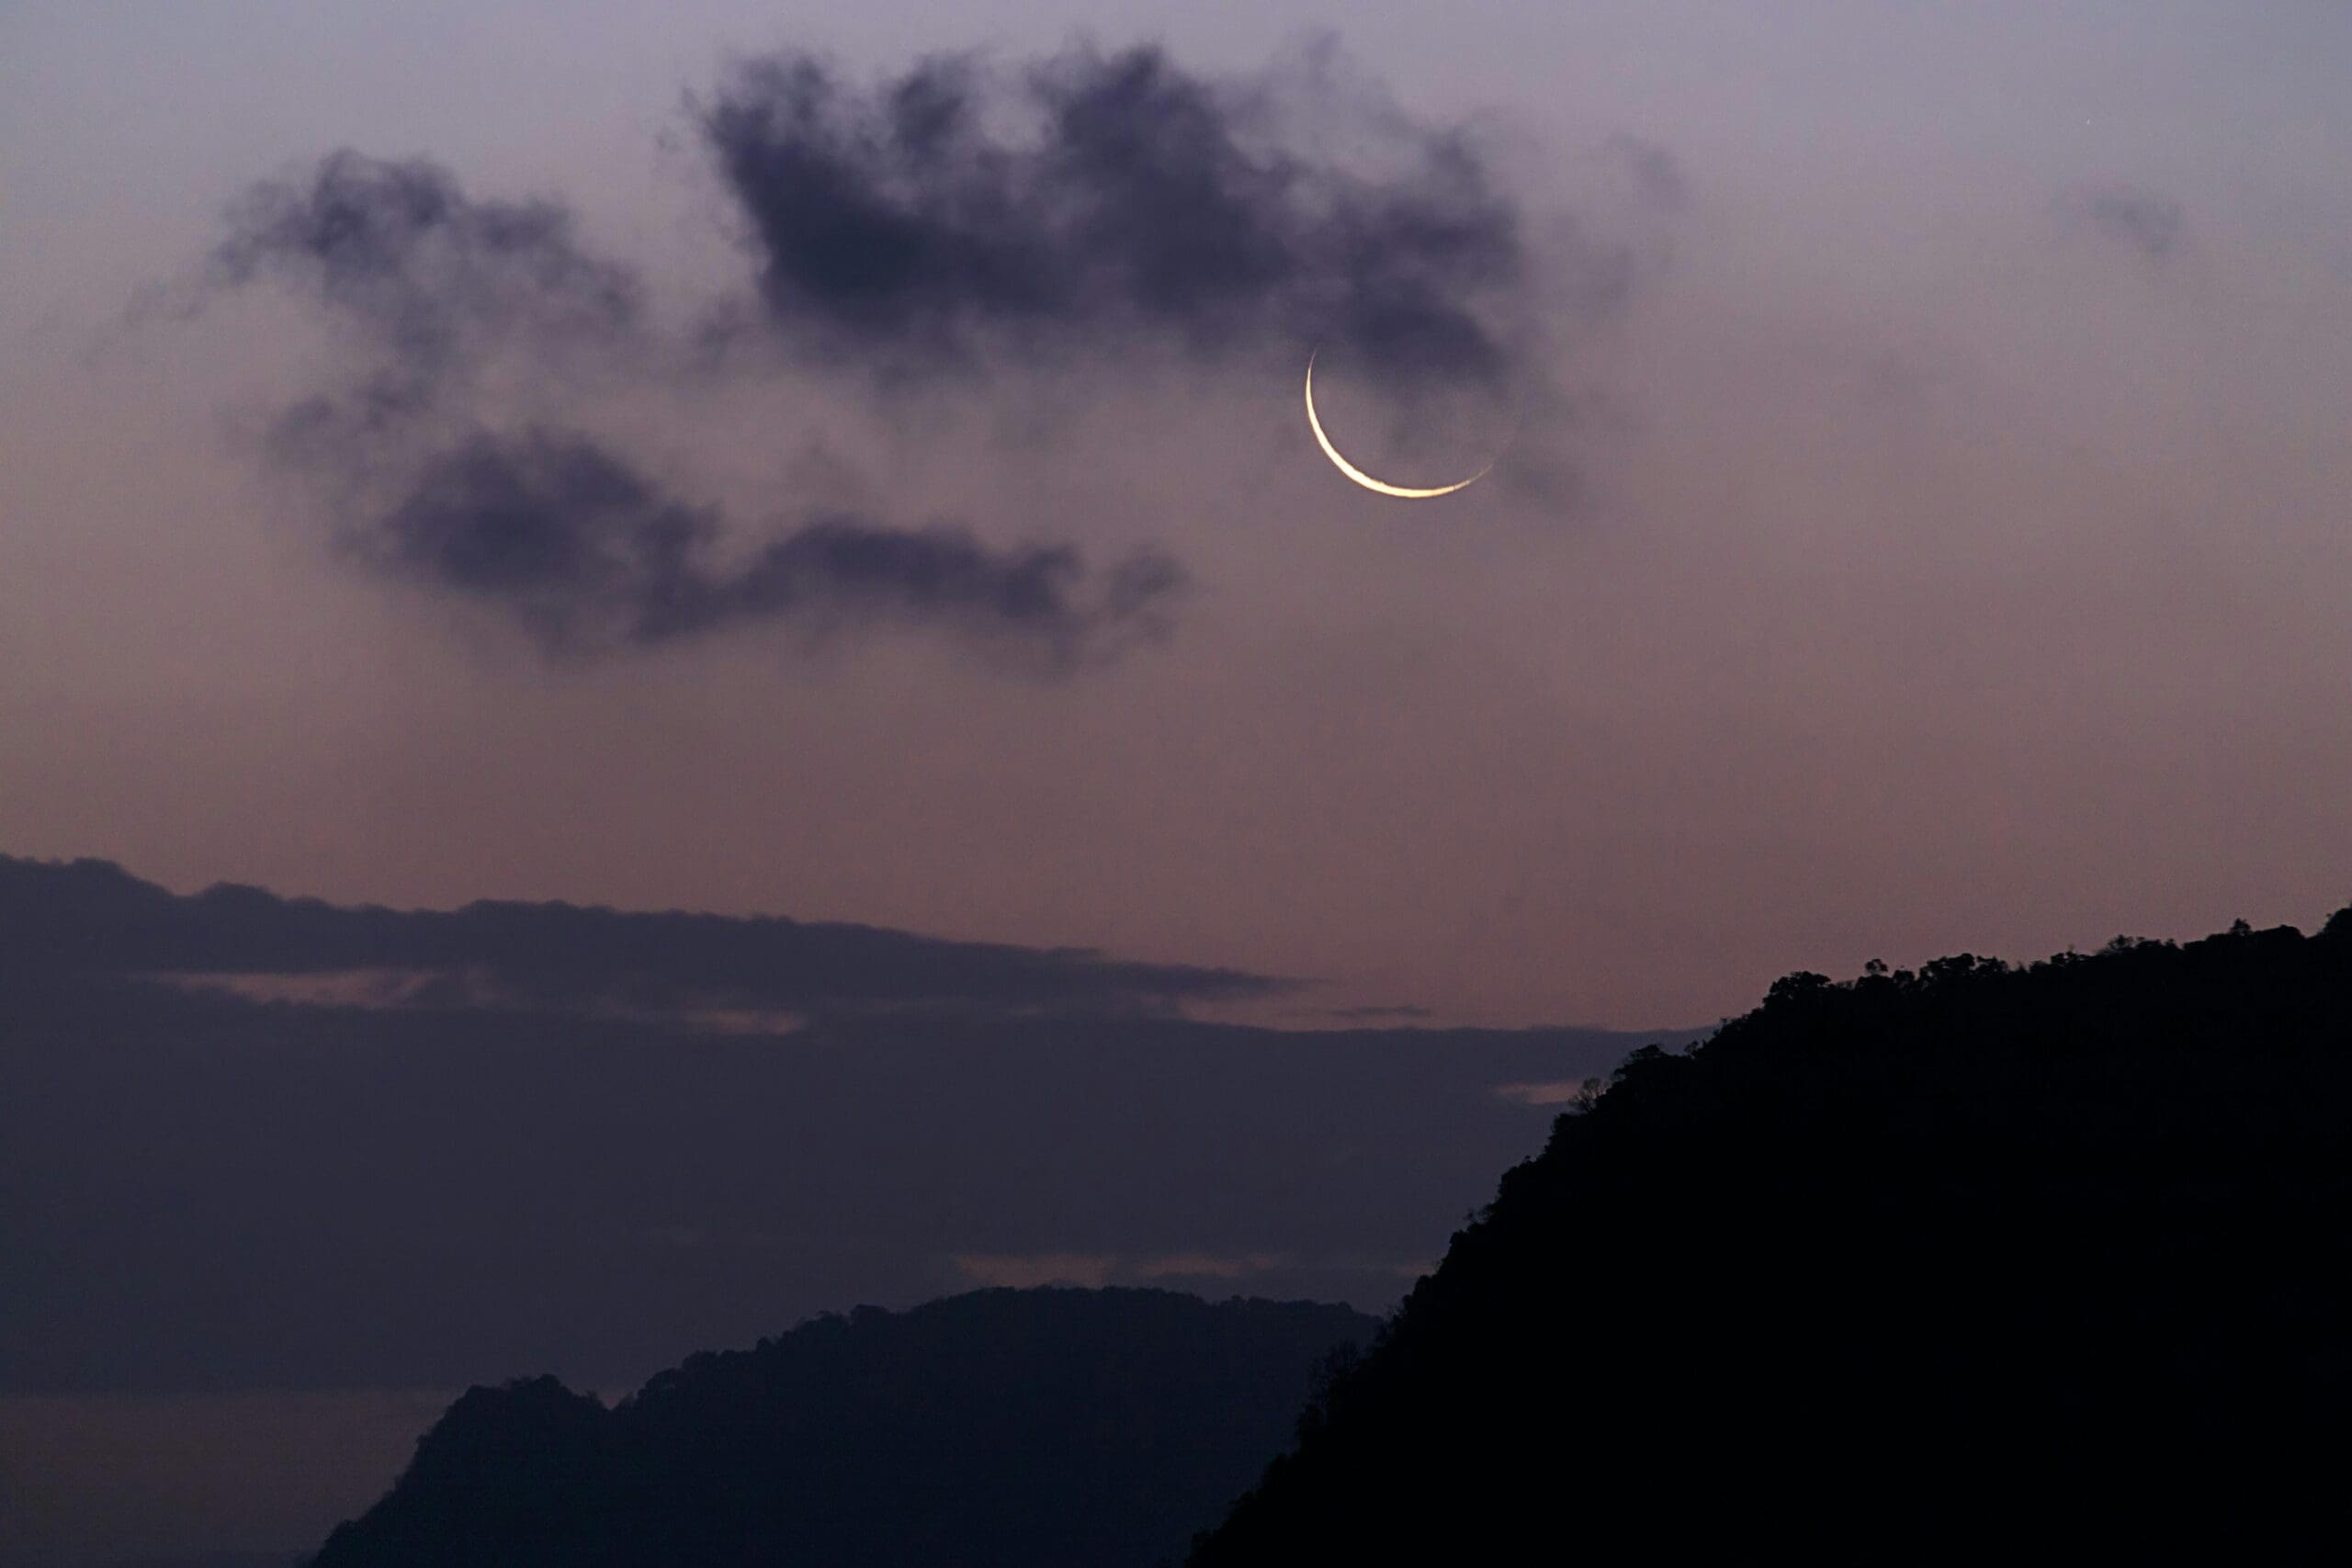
(278, 1178)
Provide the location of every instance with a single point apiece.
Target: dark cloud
(1388, 1014)
(958, 214)
(431, 274)
(955, 210)
(555, 529)
(590, 553)
(90, 916)
(2148, 221)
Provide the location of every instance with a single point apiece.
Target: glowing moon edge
(1380, 487)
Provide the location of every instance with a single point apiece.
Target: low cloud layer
(419, 1191)
(956, 211)
(1096, 1270)
(91, 917)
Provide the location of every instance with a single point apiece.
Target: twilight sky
(689, 486)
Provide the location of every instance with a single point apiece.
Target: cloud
(432, 276)
(588, 553)
(1395, 1012)
(1563, 1091)
(555, 529)
(1096, 1269)
(91, 917)
(955, 211)
(960, 215)
(2149, 221)
(1207, 1266)
(1091, 1270)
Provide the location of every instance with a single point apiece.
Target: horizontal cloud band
(90, 916)
(590, 553)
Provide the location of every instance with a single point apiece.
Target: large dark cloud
(589, 552)
(956, 210)
(556, 528)
(958, 215)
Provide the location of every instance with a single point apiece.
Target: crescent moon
(1380, 487)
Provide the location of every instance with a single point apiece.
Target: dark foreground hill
(1033, 1428)
(1980, 1262)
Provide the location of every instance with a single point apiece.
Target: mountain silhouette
(1976, 1262)
(1033, 1428)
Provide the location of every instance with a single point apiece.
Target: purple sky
(1927, 528)
(1924, 531)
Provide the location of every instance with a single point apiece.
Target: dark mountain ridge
(1975, 1260)
(1029, 1427)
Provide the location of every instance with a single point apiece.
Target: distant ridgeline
(1014, 1427)
(1978, 1262)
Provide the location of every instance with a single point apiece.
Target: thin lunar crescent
(1358, 474)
